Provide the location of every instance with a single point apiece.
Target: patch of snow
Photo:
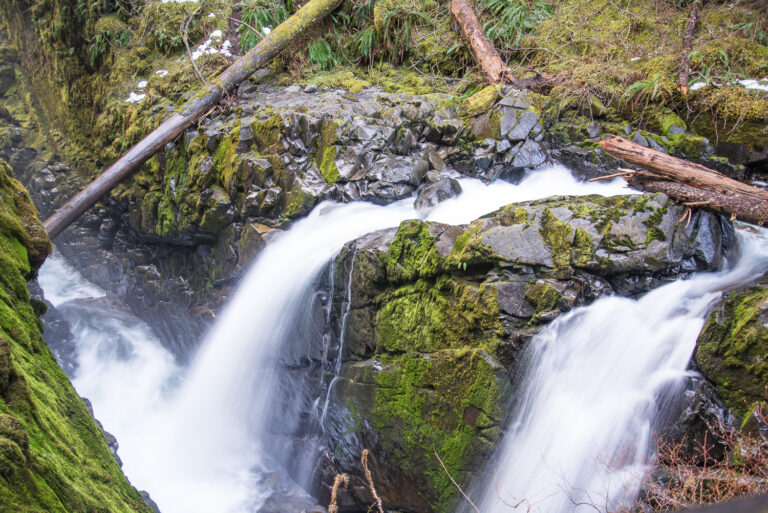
(211, 15)
(209, 46)
(135, 98)
(225, 47)
(266, 30)
(142, 84)
(633, 59)
(161, 72)
(698, 85)
(755, 85)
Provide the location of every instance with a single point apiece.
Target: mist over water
(193, 437)
(581, 434)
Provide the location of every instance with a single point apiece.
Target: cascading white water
(200, 445)
(580, 438)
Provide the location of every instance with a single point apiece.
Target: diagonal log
(485, 54)
(688, 182)
(267, 49)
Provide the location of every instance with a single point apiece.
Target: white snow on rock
(135, 98)
(142, 84)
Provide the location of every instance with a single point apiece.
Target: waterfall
(198, 443)
(595, 379)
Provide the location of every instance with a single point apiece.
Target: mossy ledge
(732, 349)
(53, 457)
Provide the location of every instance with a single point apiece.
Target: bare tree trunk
(485, 54)
(691, 183)
(685, 68)
(267, 49)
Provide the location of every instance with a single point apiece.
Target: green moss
(449, 402)
(427, 317)
(542, 297)
(268, 134)
(558, 236)
(482, 101)
(732, 349)
(325, 155)
(339, 80)
(53, 457)
(412, 253)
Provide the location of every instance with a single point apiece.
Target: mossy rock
(53, 456)
(449, 402)
(732, 349)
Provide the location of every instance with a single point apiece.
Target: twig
(339, 480)
(241, 22)
(455, 483)
(184, 31)
(511, 506)
(686, 214)
(369, 477)
(685, 69)
(624, 172)
(695, 203)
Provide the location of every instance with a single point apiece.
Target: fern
(512, 20)
(322, 55)
(259, 14)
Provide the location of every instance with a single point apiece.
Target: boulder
(732, 347)
(438, 315)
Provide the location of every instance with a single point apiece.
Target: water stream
(596, 379)
(195, 437)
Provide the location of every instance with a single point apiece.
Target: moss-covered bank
(53, 457)
(732, 348)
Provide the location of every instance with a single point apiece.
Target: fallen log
(485, 54)
(685, 68)
(688, 182)
(730, 205)
(267, 49)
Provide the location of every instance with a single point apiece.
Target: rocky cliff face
(53, 457)
(438, 314)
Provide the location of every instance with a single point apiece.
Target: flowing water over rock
(195, 438)
(596, 384)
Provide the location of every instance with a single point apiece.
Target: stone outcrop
(438, 314)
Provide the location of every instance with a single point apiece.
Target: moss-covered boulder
(732, 349)
(53, 457)
(436, 316)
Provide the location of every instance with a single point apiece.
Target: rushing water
(194, 437)
(581, 436)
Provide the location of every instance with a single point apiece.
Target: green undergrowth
(621, 59)
(53, 457)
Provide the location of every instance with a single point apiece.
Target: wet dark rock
(431, 195)
(699, 428)
(530, 155)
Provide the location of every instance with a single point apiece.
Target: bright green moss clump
(732, 348)
(449, 402)
(53, 457)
